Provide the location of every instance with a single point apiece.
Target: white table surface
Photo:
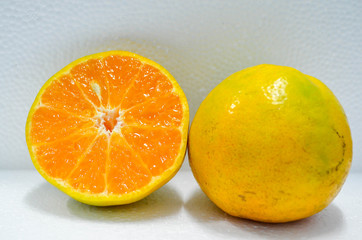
(31, 208)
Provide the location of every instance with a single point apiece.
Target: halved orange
(109, 128)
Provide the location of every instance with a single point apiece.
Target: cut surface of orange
(109, 128)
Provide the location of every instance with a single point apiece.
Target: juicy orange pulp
(109, 125)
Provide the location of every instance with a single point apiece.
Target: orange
(271, 144)
(109, 128)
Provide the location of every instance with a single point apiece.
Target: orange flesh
(108, 126)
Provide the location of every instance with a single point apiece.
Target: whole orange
(271, 144)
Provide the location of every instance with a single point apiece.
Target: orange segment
(126, 170)
(50, 124)
(150, 83)
(109, 128)
(64, 94)
(164, 111)
(91, 80)
(60, 157)
(89, 174)
(98, 79)
(120, 71)
(158, 148)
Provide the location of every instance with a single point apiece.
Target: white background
(200, 43)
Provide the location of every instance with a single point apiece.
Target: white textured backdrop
(199, 42)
